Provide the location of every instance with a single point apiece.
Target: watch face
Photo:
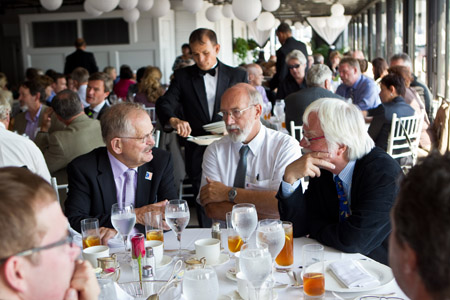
(232, 194)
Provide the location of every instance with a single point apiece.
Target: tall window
(420, 39)
(54, 33)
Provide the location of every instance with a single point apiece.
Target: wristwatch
(232, 194)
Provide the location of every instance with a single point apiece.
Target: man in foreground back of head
(420, 238)
(37, 256)
(352, 186)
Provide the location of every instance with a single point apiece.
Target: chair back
(56, 187)
(404, 136)
(296, 131)
(152, 113)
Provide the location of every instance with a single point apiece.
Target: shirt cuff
(288, 189)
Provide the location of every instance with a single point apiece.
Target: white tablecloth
(227, 286)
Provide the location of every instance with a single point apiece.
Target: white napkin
(121, 294)
(352, 274)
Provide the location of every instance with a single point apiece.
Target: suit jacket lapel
(143, 185)
(106, 182)
(199, 87)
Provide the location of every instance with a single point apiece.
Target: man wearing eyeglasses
(128, 170)
(352, 184)
(37, 257)
(247, 165)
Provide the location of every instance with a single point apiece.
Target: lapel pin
(148, 175)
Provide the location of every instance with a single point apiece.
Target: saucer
(165, 261)
(223, 259)
(231, 274)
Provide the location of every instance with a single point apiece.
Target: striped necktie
(129, 192)
(344, 209)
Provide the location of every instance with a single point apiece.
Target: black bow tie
(211, 72)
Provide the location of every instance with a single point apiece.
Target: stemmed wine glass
(244, 219)
(271, 232)
(123, 219)
(255, 262)
(177, 217)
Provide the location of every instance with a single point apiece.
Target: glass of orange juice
(286, 256)
(313, 271)
(90, 232)
(234, 240)
(154, 226)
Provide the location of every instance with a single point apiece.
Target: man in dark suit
(193, 97)
(318, 80)
(98, 88)
(353, 184)
(284, 35)
(99, 178)
(80, 58)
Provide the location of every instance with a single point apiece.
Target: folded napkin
(352, 274)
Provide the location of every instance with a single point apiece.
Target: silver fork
(358, 297)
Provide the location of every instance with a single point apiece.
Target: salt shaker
(148, 270)
(215, 231)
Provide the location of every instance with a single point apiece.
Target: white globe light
(213, 13)
(298, 25)
(144, 5)
(51, 4)
(288, 21)
(227, 11)
(271, 5)
(160, 8)
(193, 6)
(127, 4)
(276, 23)
(90, 10)
(131, 15)
(104, 5)
(337, 9)
(246, 10)
(265, 21)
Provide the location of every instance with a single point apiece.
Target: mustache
(233, 127)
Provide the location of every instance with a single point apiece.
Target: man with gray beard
(247, 165)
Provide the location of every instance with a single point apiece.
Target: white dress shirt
(210, 87)
(270, 152)
(19, 151)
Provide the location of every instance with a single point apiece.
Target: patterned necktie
(241, 171)
(344, 209)
(129, 189)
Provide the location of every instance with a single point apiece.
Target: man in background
(98, 88)
(80, 58)
(80, 78)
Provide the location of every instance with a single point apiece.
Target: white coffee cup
(209, 249)
(92, 253)
(158, 250)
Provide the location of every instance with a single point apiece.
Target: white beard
(243, 133)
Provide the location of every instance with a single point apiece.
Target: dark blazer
(186, 99)
(380, 126)
(288, 86)
(282, 70)
(297, 102)
(87, 111)
(92, 189)
(373, 191)
(80, 58)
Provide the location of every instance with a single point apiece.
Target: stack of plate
(216, 127)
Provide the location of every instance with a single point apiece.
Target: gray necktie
(241, 171)
(129, 188)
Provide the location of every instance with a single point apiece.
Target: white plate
(223, 259)
(165, 261)
(204, 140)
(381, 272)
(214, 125)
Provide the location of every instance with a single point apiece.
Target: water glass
(244, 220)
(201, 284)
(123, 220)
(234, 240)
(313, 270)
(90, 232)
(154, 226)
(177, 217)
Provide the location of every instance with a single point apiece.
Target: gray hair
(342, 124)
(317, 75)
(5, 107)
(115, 121)
(298, 55)
(107, 81)
(67, 104)
(403, 56)
(80, 74)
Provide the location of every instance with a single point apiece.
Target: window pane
(54, 33)
(105, 31)
(420, 39)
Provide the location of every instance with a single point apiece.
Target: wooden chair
(403, 140)
(296, 131)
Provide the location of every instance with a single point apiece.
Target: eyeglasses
(290, 67)
(309, 140)
(67, 240)
(144, 139)
(235, 113)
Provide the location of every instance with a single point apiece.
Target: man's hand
(213, 191)
(106, 234)
(83, 285)
(182, 127)
(307, 165)
(140, 212)
(47, 120)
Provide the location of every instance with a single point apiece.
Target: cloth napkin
(352, 274)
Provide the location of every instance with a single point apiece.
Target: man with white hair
(362, 90)
(247, 165)
(295, 80)
(352, 187)
(318, 80)
(255, 79)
